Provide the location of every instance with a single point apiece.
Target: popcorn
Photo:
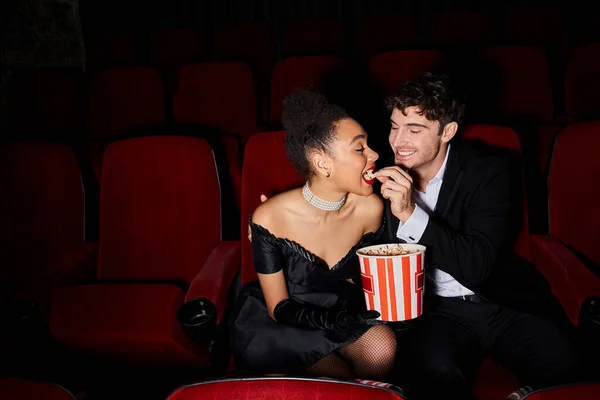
(370, 175)
(388, 250)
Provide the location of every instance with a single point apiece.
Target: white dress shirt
(443, 284)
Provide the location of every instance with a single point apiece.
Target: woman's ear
(321, 163)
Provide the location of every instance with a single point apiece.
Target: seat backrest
(267, 170)
(122, 100)
(522, 80)
(456, 28)
(385, 32)
(253, 43)
(507, 139)
(300, 73)
(297, 388)
(310, 37)
(529, 25)
(217, 94)
(160, 214)
(391, 69)
(42, 208)
(19, 388)
(579, 391)
(573, 188)
(582, 83)
(44, 103)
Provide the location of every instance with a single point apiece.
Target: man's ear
(449, 131)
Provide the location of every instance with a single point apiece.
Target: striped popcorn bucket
(393, 284)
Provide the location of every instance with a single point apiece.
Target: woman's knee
(380, 347)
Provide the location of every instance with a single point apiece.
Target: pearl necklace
(320, 203)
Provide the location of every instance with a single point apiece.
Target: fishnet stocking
(372, 356)
(332, 366)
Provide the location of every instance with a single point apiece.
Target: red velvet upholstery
(282, 388)
(573, 194)
(299, 73)
(454, 28)
(392, 69)
(310, 37)
(267, 170)
(582, 83)
(159, 209)
(493, 381)
(505, 138)
(123, 99)
(42, 214)
(12, 388)
(584, 391)
(385, 32)
(572, 283)
(44, 104)
(524, 82)
(159, 229)
(219, 94)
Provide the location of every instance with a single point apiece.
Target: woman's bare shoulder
(273, 211)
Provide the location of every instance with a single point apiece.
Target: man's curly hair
(433, 95)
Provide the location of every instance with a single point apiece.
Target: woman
(307, 313)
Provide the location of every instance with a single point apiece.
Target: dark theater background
(137, 137)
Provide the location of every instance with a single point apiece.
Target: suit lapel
(452, 175)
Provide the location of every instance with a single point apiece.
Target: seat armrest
(214, 279)
(571, 281)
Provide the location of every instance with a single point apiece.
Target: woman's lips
(368, 176)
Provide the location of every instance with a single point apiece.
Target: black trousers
(444, 348)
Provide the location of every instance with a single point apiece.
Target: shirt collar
(440, 174)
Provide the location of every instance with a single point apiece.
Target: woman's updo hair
(310, 121)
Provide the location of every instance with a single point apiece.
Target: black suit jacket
(474, 227)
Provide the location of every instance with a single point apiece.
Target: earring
(328, 174)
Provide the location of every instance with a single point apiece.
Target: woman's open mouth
(368, 176)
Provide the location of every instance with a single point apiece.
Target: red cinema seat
(571, 283)
(44, 105)
(387, 32)
(573, 168)
(122, 102)
(523, 82)
(582, 83)
(42, 229)
(460, 28)
(219, 95)
(267, 170)
(12, 388)
(534, 25)
(582, 391)
(388, 71)
(286, 388)
(311, 37)
(172, 48)
(300, 73)
(160, 246)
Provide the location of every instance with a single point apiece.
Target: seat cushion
(17, 388)
(134, 323)
(494, 381)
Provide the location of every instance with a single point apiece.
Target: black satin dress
(260, 344)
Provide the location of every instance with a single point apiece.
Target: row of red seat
(374, 34)
(277, 388)
(120, 102)
(160, 238)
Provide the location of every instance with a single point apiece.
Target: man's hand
(397, 186)
(263, 198)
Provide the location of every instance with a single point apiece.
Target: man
(455, 198)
